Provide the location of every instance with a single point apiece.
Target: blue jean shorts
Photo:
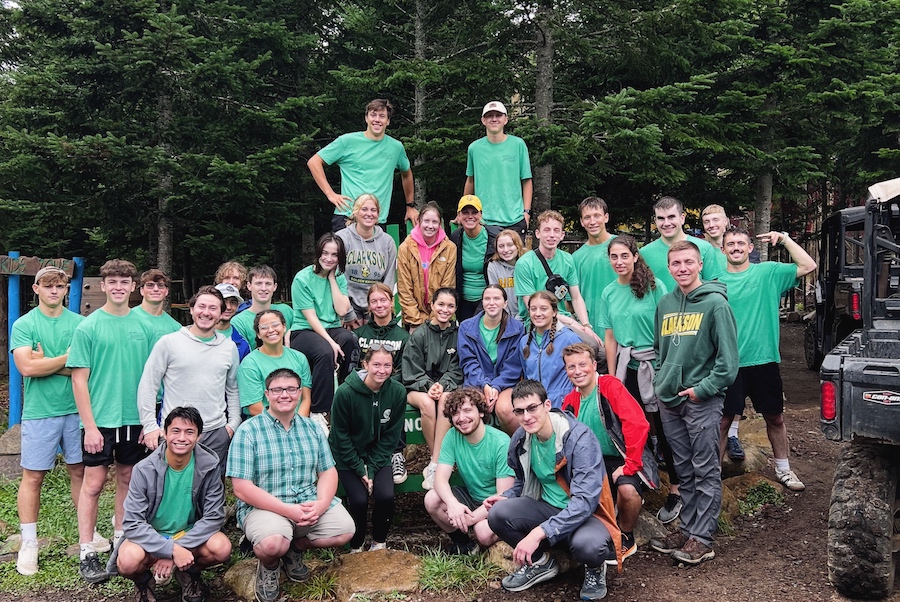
(42, 438)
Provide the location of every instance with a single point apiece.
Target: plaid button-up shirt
(285, 463)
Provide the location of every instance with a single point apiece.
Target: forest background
(176, 134)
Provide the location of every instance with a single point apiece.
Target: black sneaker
(192, 586)
(629, 548)
(671, 510)
(92, 570)
(293, 565)
(734, 449)
(470, 548)
(594, 587)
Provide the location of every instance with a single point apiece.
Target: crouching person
(558, 497)
(478, 452)
(174, 511)
(285, 480)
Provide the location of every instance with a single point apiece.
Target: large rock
(11, 441)
(756, 458)
(372, 573)
(241, 578)
(648, 527)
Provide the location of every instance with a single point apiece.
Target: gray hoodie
(368, 261)
(193, 373)
(503, 273)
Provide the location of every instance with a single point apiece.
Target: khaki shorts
(259, 524)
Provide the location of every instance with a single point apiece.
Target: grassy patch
(320, 586)
(464, 574)
(758, 496)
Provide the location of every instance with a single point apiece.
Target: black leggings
(358, 504)
(631, 383)
(321, 362)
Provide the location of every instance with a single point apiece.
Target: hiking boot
(92, 570)
(27, 559)
(398, 468)
(293, 565)
(671, 510)
(670, 543)
(267, 585)
(629, 547)
(790, 480)
(734, 449)
(428, 474)
(143, 590)
(470, 548)
(693, 552)
(192, 587)
(530, 574)
(101, 544)
(594, 587)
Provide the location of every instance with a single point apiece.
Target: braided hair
(642, 280)
(554, 305)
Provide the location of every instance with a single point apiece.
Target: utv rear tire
(811, 352)
(861, 521)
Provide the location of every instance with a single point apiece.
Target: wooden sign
(29, 266)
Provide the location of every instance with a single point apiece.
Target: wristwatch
(784, 237)
(410, 204)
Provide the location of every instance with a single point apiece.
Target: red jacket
(631, 428)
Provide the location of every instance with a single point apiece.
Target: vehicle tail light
(854, 306)
(829, 401)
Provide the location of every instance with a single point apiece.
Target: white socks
(29, 531)
(733, 429)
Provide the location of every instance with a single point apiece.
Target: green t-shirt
(489, 336)
(631, 319)
(311, 291)
(367, 166)
(257, 366)
(543, 464)
(656, 254)
(594, 273)
(176, 508)
(46, 396)
(479, 465)
(531, 277)
(754, 296)
(115, 348)
(473, 250)
(243, 322)
(498, 170)
(589, 414)
(162, 324)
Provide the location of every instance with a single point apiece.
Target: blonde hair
(516, 240)
(359, 202)
(548, 215)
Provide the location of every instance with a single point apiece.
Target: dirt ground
(778, 555)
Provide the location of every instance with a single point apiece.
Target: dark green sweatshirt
(696, 344)
(366, 425)
(392, 336)
(431, 356)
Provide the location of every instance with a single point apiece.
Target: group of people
(592, 365)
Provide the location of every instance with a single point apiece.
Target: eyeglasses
(532, 409)
(268, 327)
(152, 286)
(280, 390)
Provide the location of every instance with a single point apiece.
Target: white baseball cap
(494, 105)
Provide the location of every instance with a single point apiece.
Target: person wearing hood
(383, 329)
(371, 256)
(431, 371)
(489, 354)
(174, 512)
(366, 422)
(696, 344)
(198, 367)
(426, 262)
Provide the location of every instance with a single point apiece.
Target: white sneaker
(100, 543)
(790, 480)
(377, 546)
(358, 550)
(319, 418)
(428, 474)
(27, 561)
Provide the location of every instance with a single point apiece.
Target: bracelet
(588, 325)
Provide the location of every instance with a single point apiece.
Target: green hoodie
(365, 425)
(695, 343)
(430, 356)
(392, 336)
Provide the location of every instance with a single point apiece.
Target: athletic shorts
(259, 524)
(611, 465)
(42, 438)
(463, 496)
(762, 384)
(120, 445)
